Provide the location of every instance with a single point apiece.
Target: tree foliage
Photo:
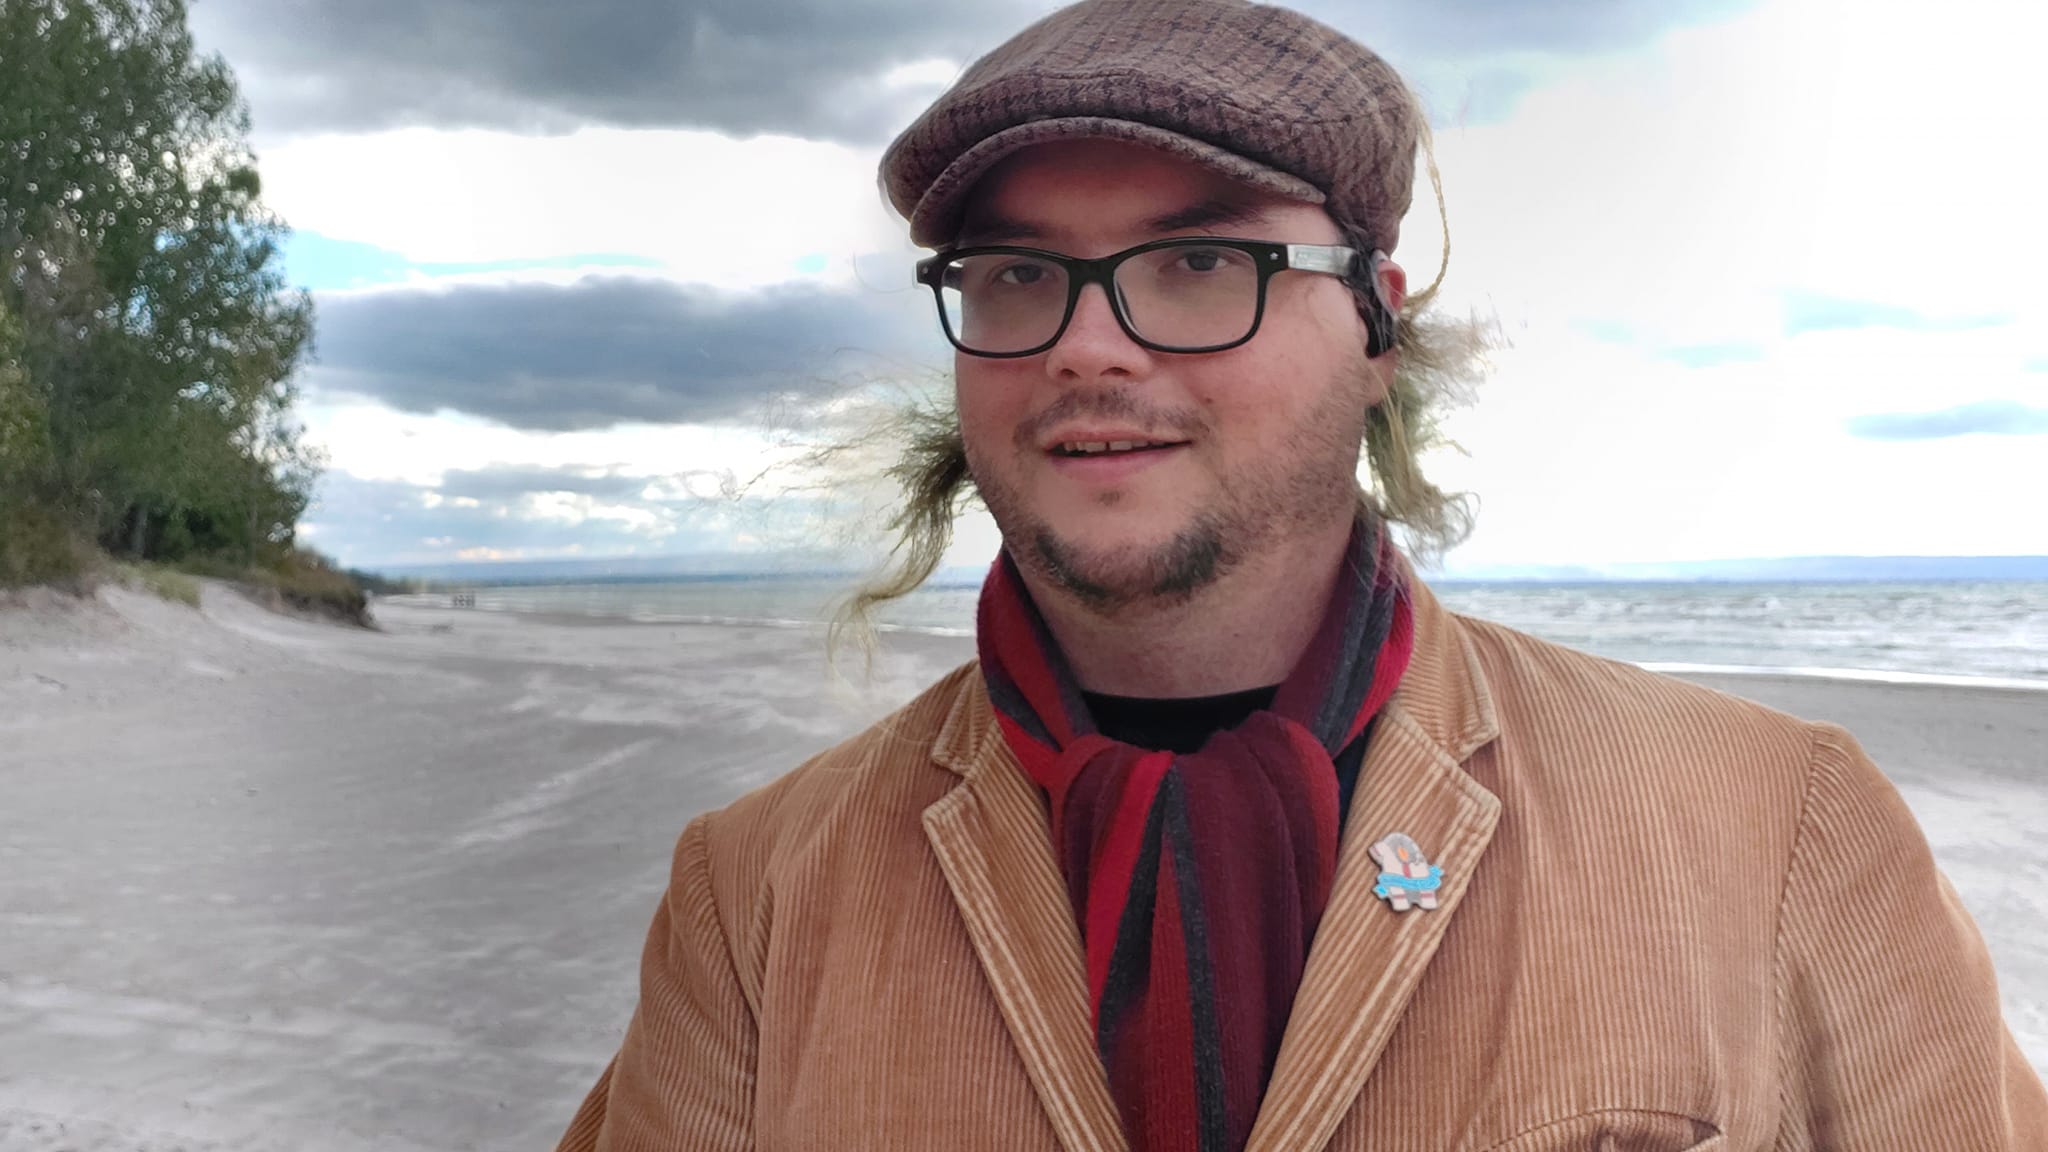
(148, 340)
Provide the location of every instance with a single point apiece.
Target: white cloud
(1583, 452)
(1637, 226)
(935, 74)
(1671, 200)
(373, 442)
(1870, 151)
(713, 210)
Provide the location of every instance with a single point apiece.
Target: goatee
(1195, 558)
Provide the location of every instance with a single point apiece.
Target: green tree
(155, 324)
(35, 543)
(24, 440)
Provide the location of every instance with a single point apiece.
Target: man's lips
(1112, 466)
(1092, 443)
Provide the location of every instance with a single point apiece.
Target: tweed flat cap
(1257, 92)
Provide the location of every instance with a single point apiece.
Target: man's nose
(1094, 344)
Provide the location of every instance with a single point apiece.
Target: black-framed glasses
(1187, 294)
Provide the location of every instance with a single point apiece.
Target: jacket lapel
(1367, 958)
(992, 841)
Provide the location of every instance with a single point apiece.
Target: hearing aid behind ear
(1378, 311)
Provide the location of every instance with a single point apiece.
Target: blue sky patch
(1606, 331)
(321, 263)
(1714, 355)
(1811, 312)
(1986, 417)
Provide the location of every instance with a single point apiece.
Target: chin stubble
(1194, 559)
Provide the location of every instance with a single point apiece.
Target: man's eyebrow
(1206, 214)
(987, 229)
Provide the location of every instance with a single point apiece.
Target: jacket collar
(993, 841)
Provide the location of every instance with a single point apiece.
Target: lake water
(1973, 631)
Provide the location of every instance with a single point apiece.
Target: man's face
(1262, 440)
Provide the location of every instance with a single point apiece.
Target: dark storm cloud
(810, 68)
(804, 67)
(1990, 417)
(605, 351)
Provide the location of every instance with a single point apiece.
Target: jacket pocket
(1616, 1130)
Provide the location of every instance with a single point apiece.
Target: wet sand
(268, 883)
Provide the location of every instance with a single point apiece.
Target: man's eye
(1020, 274)
(1204, 259)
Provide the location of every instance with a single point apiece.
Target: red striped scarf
(1198, 879)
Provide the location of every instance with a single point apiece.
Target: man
(1233, 837)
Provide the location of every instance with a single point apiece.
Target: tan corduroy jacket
(1669, 919)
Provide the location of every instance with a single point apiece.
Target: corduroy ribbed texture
(1670, 919)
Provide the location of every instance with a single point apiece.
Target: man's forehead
(993, 219)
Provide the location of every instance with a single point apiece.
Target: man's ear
(1389, 289)
(1392, 283)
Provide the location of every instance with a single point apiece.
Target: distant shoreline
(734, 568)
(429, 602)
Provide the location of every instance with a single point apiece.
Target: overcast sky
(1771, 269)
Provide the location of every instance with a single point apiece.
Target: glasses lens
(1190, 295)
(1002, 302)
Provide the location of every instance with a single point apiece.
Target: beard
(1292, 492)
(1111, 579)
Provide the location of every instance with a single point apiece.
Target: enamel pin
(1407, 878)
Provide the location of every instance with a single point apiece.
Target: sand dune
(268, 883)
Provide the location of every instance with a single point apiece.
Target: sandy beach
(270, 883)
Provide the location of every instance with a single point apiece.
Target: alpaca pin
(1407, 878)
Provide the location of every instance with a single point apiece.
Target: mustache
(1109, 404)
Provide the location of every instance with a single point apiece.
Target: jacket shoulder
(1518, 664)
(1562, 709)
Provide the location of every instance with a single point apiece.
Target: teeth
(1097, 447)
